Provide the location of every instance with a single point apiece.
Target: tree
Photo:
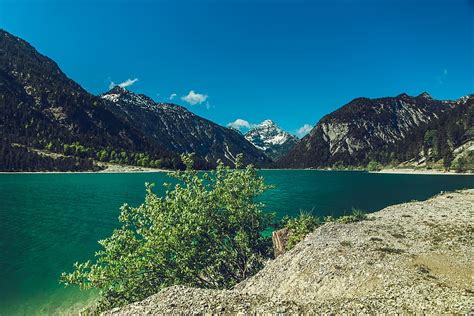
(102, 155)
(374, 166)
(431, 141)
(204, 232)
(465, 163)
(49, 146)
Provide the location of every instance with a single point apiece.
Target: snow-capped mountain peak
(118, 93)
(270, 138)
(268, 123)
(425, 95)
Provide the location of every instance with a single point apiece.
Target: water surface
(49, 221)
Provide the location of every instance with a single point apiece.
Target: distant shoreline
(422, 172)
(111, 168)
(133, 169)
(390, 171)
(79, 172)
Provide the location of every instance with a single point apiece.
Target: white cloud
(303, 130)
(194, 98)
(172, 96)
(240, 124)
(128, 82)
(124, 84)
(441, 78)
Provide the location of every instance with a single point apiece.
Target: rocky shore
(423, 172)
(414, 257)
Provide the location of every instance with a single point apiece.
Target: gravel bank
(415, 257)
(423, 172)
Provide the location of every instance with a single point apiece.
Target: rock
(304, 280)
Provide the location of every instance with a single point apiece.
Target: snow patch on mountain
(270, 138)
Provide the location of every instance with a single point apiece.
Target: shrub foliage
(204, 232)
(374, 166)
(299, 227)
(305, 223)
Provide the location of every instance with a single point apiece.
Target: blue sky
(290, 61)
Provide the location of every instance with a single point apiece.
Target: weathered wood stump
(280, 240)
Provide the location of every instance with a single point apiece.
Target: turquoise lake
(49, 221)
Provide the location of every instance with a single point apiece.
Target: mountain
(446, 142)
(365, 129)
(49, 122)
(178, 130)
(44, 112)
(270, 138)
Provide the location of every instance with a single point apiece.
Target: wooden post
(280, 239)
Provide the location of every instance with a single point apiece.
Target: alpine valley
(50, 123)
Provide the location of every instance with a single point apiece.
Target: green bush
(305, 223)
(374, 166)
(329, 219)
(464, 164)
(204, 232)
(356, 216)
(299, 227)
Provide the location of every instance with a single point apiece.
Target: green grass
(306, 223)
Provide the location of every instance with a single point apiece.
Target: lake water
(49, 221)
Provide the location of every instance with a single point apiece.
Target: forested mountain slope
(42, 108)
(49, 122)
(387, 130)
(178, 130)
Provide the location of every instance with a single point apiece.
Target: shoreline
(134, 169)
(81, 172)
(388, 171)
(421, 172)
(109, 169)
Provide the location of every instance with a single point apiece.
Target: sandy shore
(114, 168)
(110, 168)
(421, 171)
(393, 171)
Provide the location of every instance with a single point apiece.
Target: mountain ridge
(364, 129)
(44, 110)
(179, 130)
